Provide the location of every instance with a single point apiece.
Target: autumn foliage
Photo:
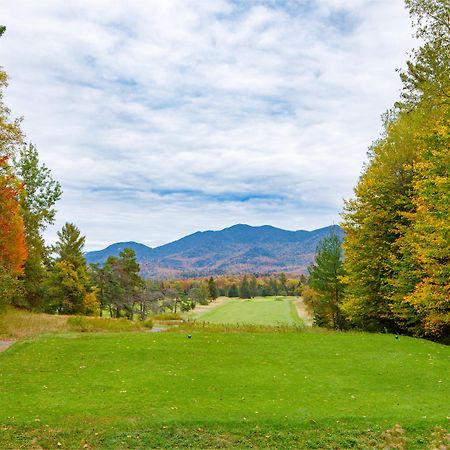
(12, 236)
(397, 245)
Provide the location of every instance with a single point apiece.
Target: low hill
(237, 249)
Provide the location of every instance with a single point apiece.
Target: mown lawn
(257, 311)
(283, 390)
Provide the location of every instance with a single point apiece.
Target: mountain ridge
(237, 249)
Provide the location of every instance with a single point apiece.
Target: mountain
(142, 252)
(237, 249)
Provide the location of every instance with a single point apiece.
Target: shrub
(147, 323)
(167, 316)
(99, 324)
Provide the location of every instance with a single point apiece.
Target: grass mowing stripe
(260, 311)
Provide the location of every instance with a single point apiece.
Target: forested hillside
(237, 249)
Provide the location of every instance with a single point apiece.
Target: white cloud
(164, 117)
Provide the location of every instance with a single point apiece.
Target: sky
(164, 117)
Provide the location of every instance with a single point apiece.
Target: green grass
(257, 311)
(278, 390)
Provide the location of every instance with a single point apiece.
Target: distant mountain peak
(240, 248)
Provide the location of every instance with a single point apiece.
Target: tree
(129, 279)
(69, 287)
(325, 278)
(11, 136)
(12, 240)
(40, 193)
(233, 291)
(396, 244)
(66, 289)
(373, 221)
(244, 288)
(199, 293)
(426, 79)
(283, 283)
(149, 298)
(107, 286)
(273, 286)
(427, 241)
(173, 298)
(253, 287)
(120, 287)
(212, 288)
(70, 245)
(13, 252)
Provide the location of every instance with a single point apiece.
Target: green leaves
(397, 241)
(325, 278)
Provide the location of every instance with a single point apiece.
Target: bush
(99, 324)
(147, 323)
(167, 316)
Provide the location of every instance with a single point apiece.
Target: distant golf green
(257, 311)
(215, 390)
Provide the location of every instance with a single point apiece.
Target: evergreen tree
(120, 287)
(283, 283)
(233, 291)
(325, 278)
(212, 288)
(69, 246)
(69, 289)
(244, 288)
(110, 292)
(40, 194)
(129, 278)
(253, 287)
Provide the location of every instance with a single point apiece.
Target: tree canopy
(397, 245)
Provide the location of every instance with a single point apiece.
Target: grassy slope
(263, 389)
(260, 311)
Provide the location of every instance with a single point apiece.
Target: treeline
(123, 293)
(396, 271)
(242, 286)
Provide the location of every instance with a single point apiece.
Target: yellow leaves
(91, 304)
(397, 244)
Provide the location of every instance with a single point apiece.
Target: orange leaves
(12, 235)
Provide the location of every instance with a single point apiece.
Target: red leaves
(13, 251)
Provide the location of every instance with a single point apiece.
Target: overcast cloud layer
(164, 117)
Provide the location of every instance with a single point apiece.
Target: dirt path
(5, 344)
(303, 312)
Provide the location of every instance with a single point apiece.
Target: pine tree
(325, 278)
(253, 287)
(212, 288)
(244, 288)
(69, 288)
(119, 283)
(37, 201)
(233, 291)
